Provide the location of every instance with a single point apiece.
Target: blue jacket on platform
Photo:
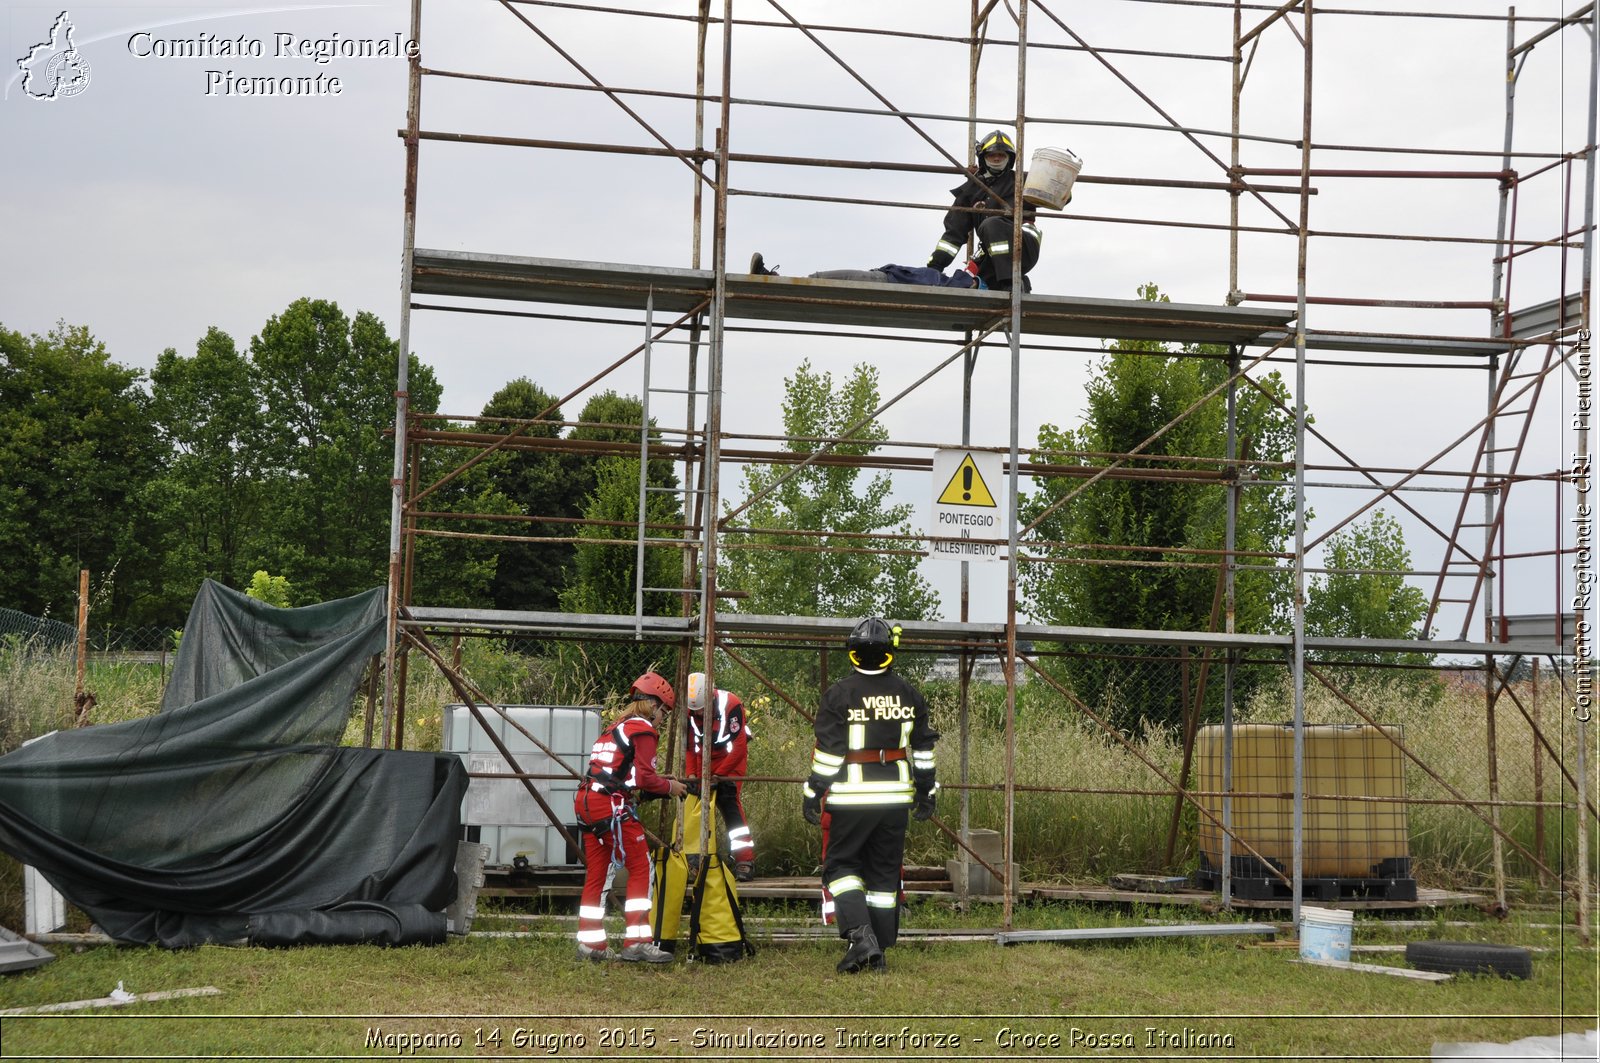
(928, 275)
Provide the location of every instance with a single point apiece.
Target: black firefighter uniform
(873, 759)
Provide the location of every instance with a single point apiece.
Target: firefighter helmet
(872, 643)
(997, 140)
(655, 686)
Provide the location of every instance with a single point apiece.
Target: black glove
(940, 259)
(923, 809)
(811, 808)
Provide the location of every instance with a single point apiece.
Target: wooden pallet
(569, 883)
(1206, 900)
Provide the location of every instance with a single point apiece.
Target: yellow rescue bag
(716, 923)
(670, 884)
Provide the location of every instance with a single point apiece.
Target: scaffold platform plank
(1426, 346)
(817, 300)
(1124, 933)
(929, 633)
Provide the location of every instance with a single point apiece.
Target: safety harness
(614, 785)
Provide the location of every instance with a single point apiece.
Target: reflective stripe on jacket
(727, 723)
(961, 219)
(624, 758)
(872, 711)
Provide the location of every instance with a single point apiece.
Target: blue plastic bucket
(1324, 934)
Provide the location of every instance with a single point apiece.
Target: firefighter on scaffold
(873, 762)
(994, 188)
(622, 768)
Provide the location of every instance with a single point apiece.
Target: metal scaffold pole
(402, 403)
(1298, 664)
(713, 438)
(1583, 717)
(1008, 859)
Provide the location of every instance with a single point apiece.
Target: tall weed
(36, 689)
(1112, 816)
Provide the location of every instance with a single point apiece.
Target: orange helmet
(657, 687)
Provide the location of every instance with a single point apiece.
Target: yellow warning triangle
(966, 487)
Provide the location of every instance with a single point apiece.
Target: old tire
(1469, 957)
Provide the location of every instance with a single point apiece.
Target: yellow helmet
(998, 140)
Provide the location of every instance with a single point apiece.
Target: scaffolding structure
(709, 314)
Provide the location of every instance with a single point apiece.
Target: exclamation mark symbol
(966, 483)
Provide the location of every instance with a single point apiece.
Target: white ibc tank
(507, 818)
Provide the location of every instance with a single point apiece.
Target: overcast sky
(160, 200)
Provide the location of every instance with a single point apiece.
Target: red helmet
(657, 687)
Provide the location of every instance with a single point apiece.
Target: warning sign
(967, 487)
(969, 512)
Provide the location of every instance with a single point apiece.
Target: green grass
(327, 1000)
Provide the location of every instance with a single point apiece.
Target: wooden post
(1189, 727)
(1497, 852)
(1538, 773)
(82, 700)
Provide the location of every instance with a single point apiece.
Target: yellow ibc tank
(1346, 835)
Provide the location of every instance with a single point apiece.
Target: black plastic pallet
(1313, 889)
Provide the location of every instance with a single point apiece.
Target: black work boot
(758, 266)
(864, 952)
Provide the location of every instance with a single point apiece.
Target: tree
(835, 573)
(605, 565)
(1365, 594)
(539, 483)
(1140, 388)
(207, 502)
(612, 418)
(78, 446)
(611, 493)
(274, 590)
(603, 578)
(327, 387)
(449, 569)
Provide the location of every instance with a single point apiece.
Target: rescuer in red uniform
(730, 759)
(622, 767)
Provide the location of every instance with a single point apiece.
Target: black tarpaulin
(231, 808)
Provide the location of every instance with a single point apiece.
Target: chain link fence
(124, 673)
(1443, 768)
(42, 633)
(20, 629)
(1413, 774)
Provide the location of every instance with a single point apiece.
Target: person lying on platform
(967, 277)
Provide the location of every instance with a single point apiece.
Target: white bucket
(1325, 933)
(1050, 176)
